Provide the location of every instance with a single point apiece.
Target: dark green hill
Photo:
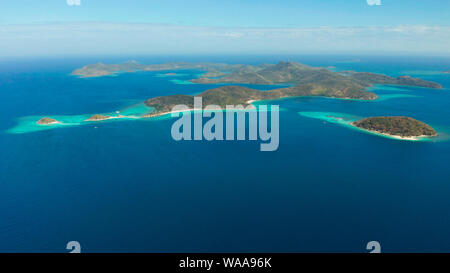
(46, 121)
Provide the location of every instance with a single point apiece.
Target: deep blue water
(128, 186)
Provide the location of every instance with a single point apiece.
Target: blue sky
(46, 27)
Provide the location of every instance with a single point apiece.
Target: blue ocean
(127, 186)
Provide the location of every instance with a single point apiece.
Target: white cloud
(127, 38)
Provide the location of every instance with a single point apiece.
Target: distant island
(447, 72)
(297, 73)
(280, 73)
(47, 121)
(400, 127)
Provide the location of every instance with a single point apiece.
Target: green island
(240, 95)
(101, 69)
(281, 73)
(98, 117)
(401, 127)
(47, 121)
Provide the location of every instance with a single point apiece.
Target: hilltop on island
(98, 117)
(282, 72)
(368, 79)
(239, 95)
(403, 127)
(47, 121)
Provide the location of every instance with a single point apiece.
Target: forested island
(101, 69)
(98, 117)
(305, 80)
(297, 73)
(308, 81)
(282, 72)
(402, 127)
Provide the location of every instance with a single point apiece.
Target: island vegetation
(403, 127)
(308, 81)
(101, 69)
(47, 121)
(305, 81)
(240, 95)
(367, 79)
(98, 117)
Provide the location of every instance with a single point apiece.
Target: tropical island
(47, 121)
(98, 117)
(306, 81)
(240, 95)
(399, 127)
(447, 72)
(297, 73)
(280, 73)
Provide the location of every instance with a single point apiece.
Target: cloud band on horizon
(132, 38)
